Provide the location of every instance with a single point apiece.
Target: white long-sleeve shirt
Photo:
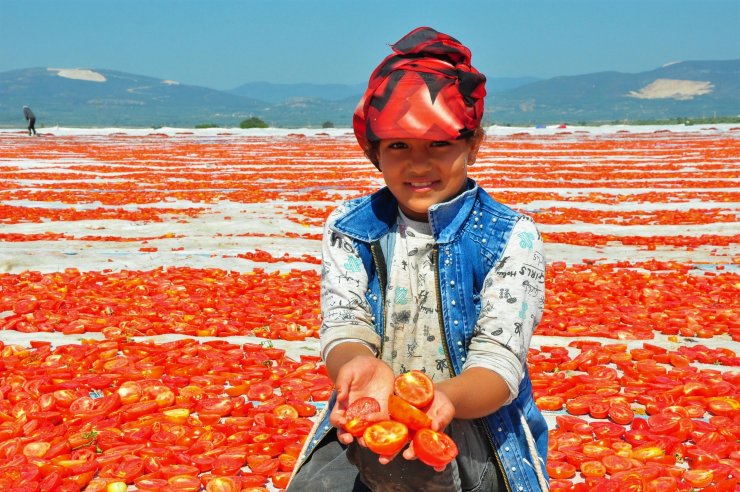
(512, 301)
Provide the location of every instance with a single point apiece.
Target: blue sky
(224, 43)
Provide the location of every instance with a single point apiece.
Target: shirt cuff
(331, 345)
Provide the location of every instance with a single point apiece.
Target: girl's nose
(420, 156)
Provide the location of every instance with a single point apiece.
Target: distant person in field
(31, 119)
(431, 274)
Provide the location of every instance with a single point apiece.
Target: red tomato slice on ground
(386, 437)
(415, 387)
(621, 414)
(434, 448)
(404, 412)
(560, 469)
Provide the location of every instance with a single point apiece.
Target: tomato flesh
(404, 412)
(357, 413)
(415, 387)
(434, 448)
(386, 437)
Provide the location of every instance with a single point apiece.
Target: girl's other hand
(441, 411)
(361, 376)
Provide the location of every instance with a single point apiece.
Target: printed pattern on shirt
(514, 291)
(413, 331)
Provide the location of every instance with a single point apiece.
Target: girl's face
(421, 173)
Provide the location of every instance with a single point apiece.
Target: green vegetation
(327, 124)
(715, 120)
(207, 125)
(253, 122)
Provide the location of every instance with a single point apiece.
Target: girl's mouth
(421, 185)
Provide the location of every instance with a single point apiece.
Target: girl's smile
(421, 173)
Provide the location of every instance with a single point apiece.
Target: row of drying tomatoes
(614, 300)
(82, 194)
(182, 411)
(23, 214)
(179, 414)
(642, 418)
(203, 302)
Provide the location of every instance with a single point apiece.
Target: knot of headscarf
(427, 89)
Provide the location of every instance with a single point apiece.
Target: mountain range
(103, 97)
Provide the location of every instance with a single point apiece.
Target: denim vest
(471, 232)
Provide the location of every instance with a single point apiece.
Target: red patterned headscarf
(426, 89)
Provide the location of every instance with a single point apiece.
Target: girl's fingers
(345, 437)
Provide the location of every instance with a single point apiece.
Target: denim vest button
(459, 342)
(521, 488)
(506, 448)
(452, 302)
(513, 468)
(500, 429)
(375, 298)
(452, 283)
(455, 322)
(476, 219)
(483, 240)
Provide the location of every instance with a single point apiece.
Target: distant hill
(83, 97)
(281, 93)
(691, 89)
(101, 97)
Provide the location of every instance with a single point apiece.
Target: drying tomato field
(159, 303)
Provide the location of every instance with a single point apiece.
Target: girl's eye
(440, 143)
(397, 145)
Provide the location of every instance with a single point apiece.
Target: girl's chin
(418, 215)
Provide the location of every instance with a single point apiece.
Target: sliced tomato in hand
(404, 412)
(357, 413)
(386, 437)
(434, 448)
(415, 387)
(362, 407)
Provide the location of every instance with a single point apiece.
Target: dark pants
(331, 468)
(32, 126)
(328, 469)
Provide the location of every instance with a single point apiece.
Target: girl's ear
(475, 143)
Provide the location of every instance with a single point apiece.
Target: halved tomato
(560, 469)
(621, 414)
(698, 478)
(415, 387)
(386, 437)
(286, 411)
(404, 412)
(434, 448)
(356, 414)
(593, 468)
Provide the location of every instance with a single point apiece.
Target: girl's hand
(441, 411)
(362, 376)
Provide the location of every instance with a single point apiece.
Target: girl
(429, 273)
